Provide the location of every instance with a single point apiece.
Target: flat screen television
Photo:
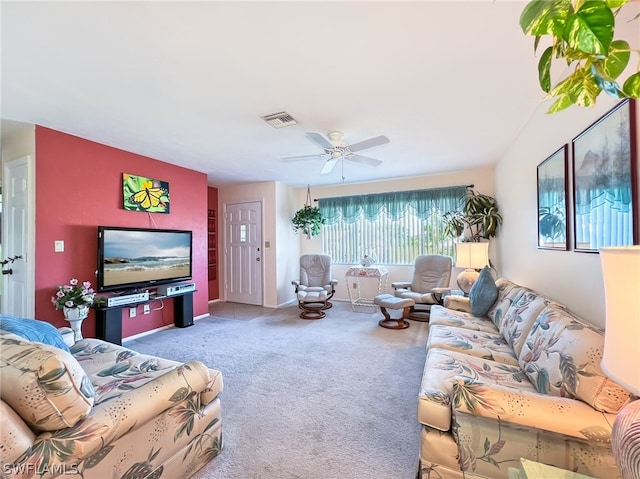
(137, 258)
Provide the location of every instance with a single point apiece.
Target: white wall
(287, 242)
(572, 278)
(18, 139)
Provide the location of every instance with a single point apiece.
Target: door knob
(257, 259)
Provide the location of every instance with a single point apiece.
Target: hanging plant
(308, 219)
(479, 218)
(582, 33)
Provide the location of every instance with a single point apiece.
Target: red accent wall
(78, 187)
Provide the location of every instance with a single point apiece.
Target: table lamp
(621, 357)
(473, 256)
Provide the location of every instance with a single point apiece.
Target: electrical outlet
(147, 309)
(132, 312)
(355, 286)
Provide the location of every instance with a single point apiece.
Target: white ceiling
(451, 83)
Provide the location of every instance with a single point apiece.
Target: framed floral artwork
(605, 181)
(552, 201)
(145, 194)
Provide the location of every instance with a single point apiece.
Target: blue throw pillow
(33, 330)
(483, 293)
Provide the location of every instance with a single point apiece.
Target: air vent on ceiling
(280, 119)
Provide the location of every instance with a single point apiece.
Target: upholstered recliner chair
(315, 287)
(431, 278)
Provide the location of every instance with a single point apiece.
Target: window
(391, 228)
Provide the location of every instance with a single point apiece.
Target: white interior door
(18, 239)
(243, 253)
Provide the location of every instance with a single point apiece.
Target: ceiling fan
(335, 148)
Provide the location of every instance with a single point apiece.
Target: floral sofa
(521, 381)
(96, 410)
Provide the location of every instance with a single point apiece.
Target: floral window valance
(396, 204)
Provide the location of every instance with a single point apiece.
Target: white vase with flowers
(74, 299)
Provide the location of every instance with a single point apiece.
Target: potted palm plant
(478, 219)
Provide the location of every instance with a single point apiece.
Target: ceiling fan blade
(365, 160)
(329, 165)
(303, 157)
(320, 139)
(370, 143)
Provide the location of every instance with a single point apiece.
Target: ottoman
(389, 301)
(312, 304)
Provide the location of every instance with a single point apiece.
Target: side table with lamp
(621, 357)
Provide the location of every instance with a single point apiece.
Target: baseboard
(151, 331)
(146, 333)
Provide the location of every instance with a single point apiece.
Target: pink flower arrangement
(74, 295)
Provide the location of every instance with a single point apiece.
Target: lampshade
(621, 357)
(472, 255)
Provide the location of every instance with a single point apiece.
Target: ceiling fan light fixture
(335, 148)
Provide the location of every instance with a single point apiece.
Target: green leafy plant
(478, 219)
(308, 219)
(581, 33)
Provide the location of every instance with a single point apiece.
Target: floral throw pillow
(49, 389)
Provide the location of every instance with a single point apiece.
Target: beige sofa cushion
(443, 368)
(491, 346)
(561, 356)
(447, 317)
(43, 384)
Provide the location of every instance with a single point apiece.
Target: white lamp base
(466, 279)
(625, 440)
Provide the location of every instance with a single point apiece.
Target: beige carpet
(334, 398)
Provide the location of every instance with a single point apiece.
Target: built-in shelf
(212, 245)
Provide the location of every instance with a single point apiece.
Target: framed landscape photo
(605, 181)
(552, 201)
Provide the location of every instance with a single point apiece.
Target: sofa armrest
(565, 416)
(334, 282)
(457, 303)
(110, 420)
(67, 336)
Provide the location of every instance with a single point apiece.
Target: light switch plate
(58, 246)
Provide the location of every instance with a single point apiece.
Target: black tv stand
(109, 319)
